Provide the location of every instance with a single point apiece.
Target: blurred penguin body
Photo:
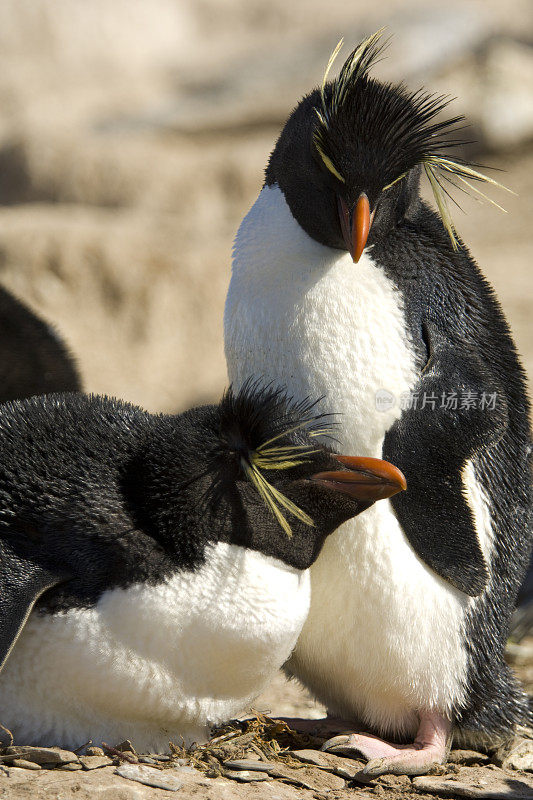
(167, 592)
(33, 359)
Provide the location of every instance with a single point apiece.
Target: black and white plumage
(421, 588)
(166, 557)
(33, 359)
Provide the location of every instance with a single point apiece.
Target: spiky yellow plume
(406, 125)
(279, 457)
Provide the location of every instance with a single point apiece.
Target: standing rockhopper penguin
(346, 285)
(166, 557)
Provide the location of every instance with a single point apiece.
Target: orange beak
(366, 480)
(355, 226)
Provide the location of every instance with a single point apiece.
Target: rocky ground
(258, 758)
(132, 140)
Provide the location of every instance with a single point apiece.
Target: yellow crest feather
(280, 457)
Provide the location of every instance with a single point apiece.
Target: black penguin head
(350, 157)
(251, 471)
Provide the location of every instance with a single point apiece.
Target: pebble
(315, 757)
(147, 760)
(23, 764)
(346, 768)
(40, 755)
(252, 766)
(245, 776)
(94, 751)
(126, 747)
(517, 754)
(95, 762)
(495, 789)
(162, 757)
(312, 778)
(69, 767)
(149, 776)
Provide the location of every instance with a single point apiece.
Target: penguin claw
(365, 745)
(336, 743)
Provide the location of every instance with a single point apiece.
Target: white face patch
(384, 636)
(153, 663)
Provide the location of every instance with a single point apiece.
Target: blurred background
(133, 138)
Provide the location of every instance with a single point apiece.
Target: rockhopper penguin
(153, 569)
(346, 285)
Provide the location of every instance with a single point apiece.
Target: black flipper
(431, 446)
(22, 582)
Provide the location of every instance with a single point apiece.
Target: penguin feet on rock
(430, 747)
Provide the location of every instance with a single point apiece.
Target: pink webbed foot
(430, 747)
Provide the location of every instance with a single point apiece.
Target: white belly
(155, 663)
(384, 633)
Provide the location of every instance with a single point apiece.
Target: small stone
(251, 765)
(147, 760)
(126, 747)
(245, 776)
(346, 768)
(163, 757)
(517, 754)
(149, 776)
(315, 757)
(69, 767)
(94, 751)
(95, 762)
(495, 789)
(23, 764)
(313, 778)
(40, 755)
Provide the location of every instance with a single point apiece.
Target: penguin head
(252, 471)
(350, 157)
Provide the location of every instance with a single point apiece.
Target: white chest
(384, 636)
(307, 316)
(151, 663)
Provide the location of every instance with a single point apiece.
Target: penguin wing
(459, 411)
(22, 582)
